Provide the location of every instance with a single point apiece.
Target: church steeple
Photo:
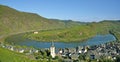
(52, 50)
(52, 44)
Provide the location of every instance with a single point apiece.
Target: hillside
(77, 33)
(13, 21)
(9, 56)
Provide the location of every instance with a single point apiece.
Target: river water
(96, 40)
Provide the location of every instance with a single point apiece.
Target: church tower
(52, 50)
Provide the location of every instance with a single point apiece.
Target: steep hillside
(12, 21)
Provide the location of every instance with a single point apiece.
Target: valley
(17, 26)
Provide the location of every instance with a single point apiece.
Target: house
(60, 51)
(92, 56)
(35, 32)
(74, 56)
(72, 50)
(12, 49)
(66, 50)
(20, 50)
(80, 49)
(33, 51)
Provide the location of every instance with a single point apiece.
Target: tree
(81, 57)
(117, 59)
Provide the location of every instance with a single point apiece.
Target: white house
(21, 50)
(35, 32)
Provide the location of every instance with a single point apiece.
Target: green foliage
(116, 33)
(77, 33)
(9, 56)
(106, 60)
(117, 58)
(81, 57)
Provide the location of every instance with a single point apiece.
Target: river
(96, 40)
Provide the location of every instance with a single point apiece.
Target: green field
(76, 33)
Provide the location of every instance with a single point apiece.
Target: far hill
(12, 21)
(78, 33)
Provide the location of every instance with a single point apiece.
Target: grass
(9, 56)
(13, 21)
(76, 33)
(116, 34)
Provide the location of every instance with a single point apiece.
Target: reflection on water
(98, 39)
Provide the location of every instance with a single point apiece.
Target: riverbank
(20, 40)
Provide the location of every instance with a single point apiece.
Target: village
(108, 50)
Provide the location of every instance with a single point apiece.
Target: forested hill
(12, 21)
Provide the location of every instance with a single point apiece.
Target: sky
(77, 10)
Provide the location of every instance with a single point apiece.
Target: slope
(9, 56)
(13, 21)
(77, 33)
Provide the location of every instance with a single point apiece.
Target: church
(52, 50)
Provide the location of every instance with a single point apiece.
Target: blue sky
(77, 10)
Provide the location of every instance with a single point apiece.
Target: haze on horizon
(77, 10)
